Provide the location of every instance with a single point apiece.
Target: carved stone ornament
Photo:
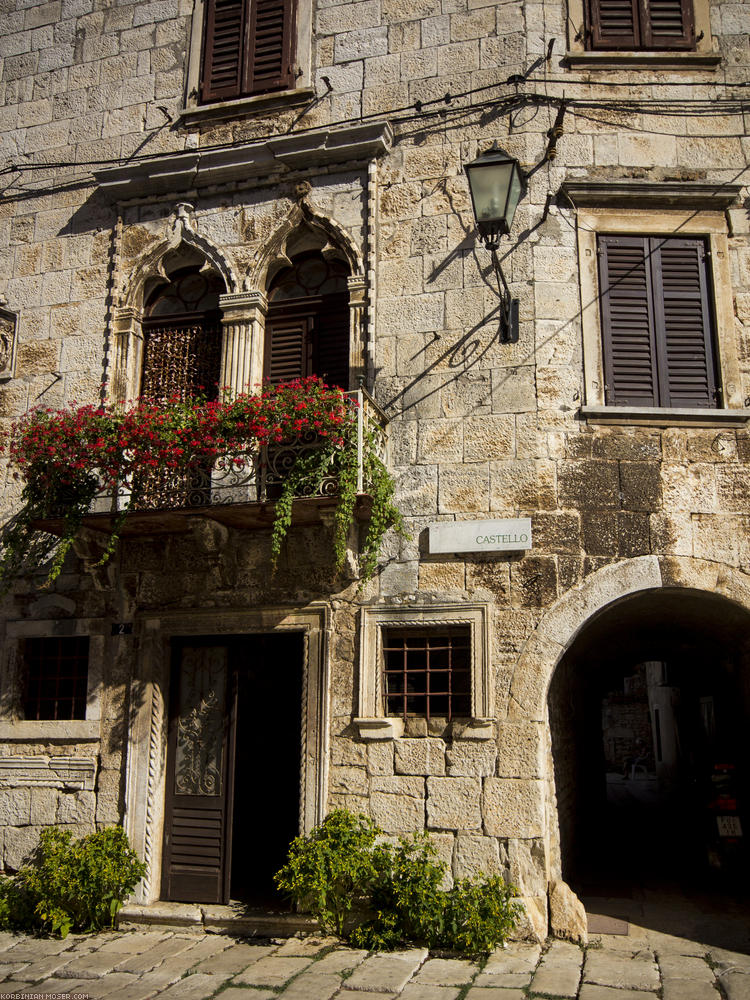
(40, 770)
(8, 327)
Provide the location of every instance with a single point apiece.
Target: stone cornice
(689, 195)
(199, 168)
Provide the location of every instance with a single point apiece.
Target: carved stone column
(128, 335)
(357, 297)
(244, 320)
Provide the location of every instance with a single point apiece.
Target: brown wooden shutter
(223, 48)
(684, 336)
(668, 24)
(195, 861)
(627, 322)
(613, 24)
(330, 359)
(270, 51)
(287, 345)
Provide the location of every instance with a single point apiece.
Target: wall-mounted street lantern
(497, 185)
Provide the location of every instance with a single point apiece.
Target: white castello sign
(509, 535)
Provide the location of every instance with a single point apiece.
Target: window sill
(642, 60)
(381, 729)
(245, 106)
(657, 416)
(50, 730)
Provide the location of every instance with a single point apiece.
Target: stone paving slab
(234, 959)
(515, 958)
(683, 989)
(195, 987)
(8, 969)
(503, 980)
(636, 972)
(496, 993)
(341, 960)
(271, 971)
(154, 955)
(44, 968)
(425, 991)
(387, 972)
(110, 984)
(446, 972)
(685, 967)
(242, 993)
(590, 991)
(736, 985)
(320, 986)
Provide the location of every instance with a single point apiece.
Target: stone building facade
(129, 162)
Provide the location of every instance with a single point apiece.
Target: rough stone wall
(479, 428)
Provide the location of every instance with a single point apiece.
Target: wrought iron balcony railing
(257, 478)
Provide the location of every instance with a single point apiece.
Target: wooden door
(196, 856)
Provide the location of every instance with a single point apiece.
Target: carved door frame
(148, 720)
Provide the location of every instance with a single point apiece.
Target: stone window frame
(702, 57)
(12, 727)
(371, 721)
(711, 225)
(302, 93)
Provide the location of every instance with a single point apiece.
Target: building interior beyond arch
(649, 711)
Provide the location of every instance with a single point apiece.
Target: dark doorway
(267, 762)
(648, 713)
(233, 766)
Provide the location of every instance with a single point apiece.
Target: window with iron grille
(56, 679)
(631, 25)
(427, 672)
(248, 48)
(657, 322)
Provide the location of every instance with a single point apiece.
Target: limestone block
(349, 781)
(527, 866)
(519, 750)
(345, 751)
(43, 810)
(19, 842)
(37, 358)
(424, 756)
(477, 856)
(558, 387)
(397, 813)
(436, 30)
(15, 806)
(690, 487)
(441, 576)
(416, 490)
(76, 807)
(360, 44)
(527, 484)
(471, 758)
(380, 758)
(488, 437)
(588, 484)
(567, 916)
(399, 578)
(532, 925)
(556, 300)
(513, 807)
(453, 803)
(440, 441)
(463, 489)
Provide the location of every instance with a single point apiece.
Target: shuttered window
(658, 342)
(307, 327)
(640, 24)
(248, 48)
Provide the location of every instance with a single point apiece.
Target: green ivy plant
(380, 895)
(67, 458)
(71, 884)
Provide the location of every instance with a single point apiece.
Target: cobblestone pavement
(175, 965)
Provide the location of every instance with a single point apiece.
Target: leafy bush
(71, 885)
(390, 894)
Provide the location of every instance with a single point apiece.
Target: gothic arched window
(307, 327)
(182, 336)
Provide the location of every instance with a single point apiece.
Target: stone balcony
(238, 495)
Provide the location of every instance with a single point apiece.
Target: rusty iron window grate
(427, 672)
(56, 677)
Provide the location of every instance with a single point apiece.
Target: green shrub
(345, 873)
(71, 885)
(332, 868)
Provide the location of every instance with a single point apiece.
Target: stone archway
(564, 625)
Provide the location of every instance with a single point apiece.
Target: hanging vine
(68, 459)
